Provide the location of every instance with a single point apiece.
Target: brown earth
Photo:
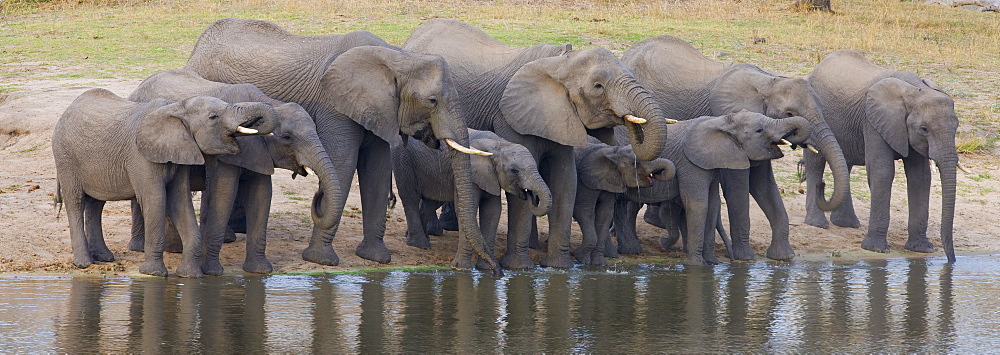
(34, 237)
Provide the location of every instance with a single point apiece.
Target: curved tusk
(245, 130)
(269, 135)
(962, 168)
(634, 119)
(812, 149)
(309, 170)
(454, 145)
(671, 121)
(785, 142)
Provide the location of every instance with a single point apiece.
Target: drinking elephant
(886, 115)
(701, 150)
(688, 85)
(364, 94)
(294, 146)
(603, 172)
(420, 171)
(547, 98)
(107, 148)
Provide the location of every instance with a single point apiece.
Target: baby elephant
(425, 174)
(107, 148)
(603, 172)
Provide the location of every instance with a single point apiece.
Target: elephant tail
(57, 200)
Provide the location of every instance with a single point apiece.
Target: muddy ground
(34, 238)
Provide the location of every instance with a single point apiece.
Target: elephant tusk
(634, 119)
(962, 168)
(269, 135)
(785, 142)
(454, 145)
(309, 170)
(245, 130)
(812, 149)
(671, 121)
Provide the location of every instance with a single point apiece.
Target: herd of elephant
(460, 117)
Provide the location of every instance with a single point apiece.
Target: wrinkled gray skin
(419, 171)
(294, 146)
(688, 85)
(363, 94)
(701, 149)
(107, 148)
(603, 172)
(881, 115)
(547, 98)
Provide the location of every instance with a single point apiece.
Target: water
(870, 306)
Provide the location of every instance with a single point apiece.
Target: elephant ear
(711, 143)
(361, 83)
(484, 173)
(535, 103)
(885, 107)
(253, 155)
(164, 138)
(598, 172)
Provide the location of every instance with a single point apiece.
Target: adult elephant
(884, 115)
(688, 85)
(547, 98)
(107, 148)
(293, 145)
(364, 94)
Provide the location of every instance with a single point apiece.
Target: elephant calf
(603, 172)
(423, 175)
(107, 148)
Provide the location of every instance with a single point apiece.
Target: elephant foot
(230, 235)
(742, 251)
(83, 261)
(583, 255)
(559, 261)
(817, 220)
(154, 268)
(462, 263)
(322, 254)
(878, 245)
(611, 250)
(137, 244)
(695, 260)
(103, 254)
(516, 261)
(482, 264)
(257, 265)
(189, 269)
(422, 242)
(374, 251)
(780, 251)
(433, 228)
(919, 245)
(652, 216)
(629, 246)
(212, 267)
(711, 259)
(846, 220)
(597, 259)
(667, 243)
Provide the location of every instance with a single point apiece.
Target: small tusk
(671, 121)
(454, 145)
(309, 170)
(245, 130)
(785, 142)
(269, 135)
(812, 149)
(962, 168)
(634, 119)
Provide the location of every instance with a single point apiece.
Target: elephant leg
(259, 193)
(560, 174)
(736, 189)
(533, 241)
(138, 229)
(223, 182)
(92, 209)
(918, 187)
(73, 198)
(652, 216)
(585, 213)
(602, 220)
(764, 189)
(490, 208)
(180, 209)
(154, 211)
(237, 219)
(844, 216)
(711, 220)
(414, 209)
(341, 140)
(695, 196)
(448, 220)
(627, 234)
(815, 164)
(879, 161)
(375, 179)
(429, 217)
(673, 217)
(172, 242)
(518, 223)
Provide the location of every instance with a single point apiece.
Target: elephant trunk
(795, 129)
(827, 145)
(947, 168)
(466, 207)
(648, 139)
(329, 196)
(662, 169)
(538, 193)
(263, 119)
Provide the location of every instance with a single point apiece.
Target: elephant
(293, 145)
(548, 98)
(603, 172)
(107, 148)
(688, 85)
(703, 149)
(420, 170)
(365, 96)
(884, 115)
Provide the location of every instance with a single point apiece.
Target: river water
(868, 306)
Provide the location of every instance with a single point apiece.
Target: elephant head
(563, 98)
(182, 131)
(511, 168)
(615, 168)
(913, 113)
(747, 87)
(734, 140)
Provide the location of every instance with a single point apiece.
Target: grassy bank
(132, 39)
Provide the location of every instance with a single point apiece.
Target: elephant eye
(433, 100)
(598, 85)
(286, 136)
(213, 116)
(924, 130)
(759, 130)
(789, 114)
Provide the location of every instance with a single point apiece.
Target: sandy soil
(34, 238)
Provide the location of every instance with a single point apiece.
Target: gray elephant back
(675, 73)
